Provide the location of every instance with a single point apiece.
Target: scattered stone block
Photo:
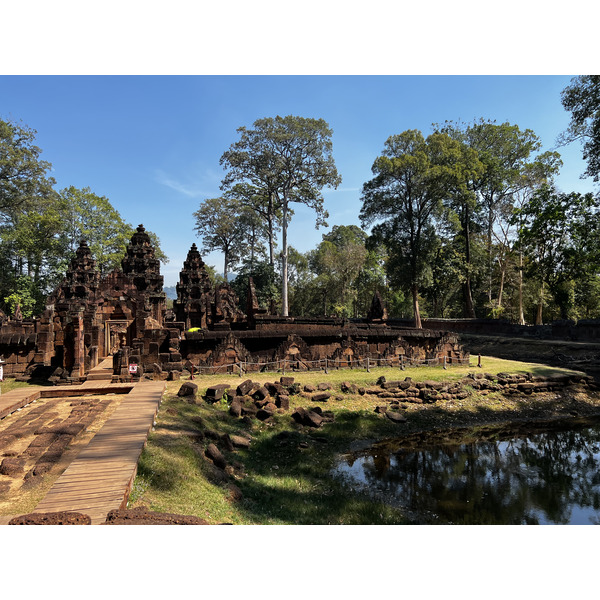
(227, 443)
(267, 411)
(245, 387)
(324, 386)
(309, 388)
(12, 467)
(287, 381)
(216, 392)
(283, 402)
(53, 518)
(235, 409)
(395, 417)
(188, 389)
(240, 441)
(348, 388)
(142, 516)
(261, 393)
(215, 455)
(323, 397)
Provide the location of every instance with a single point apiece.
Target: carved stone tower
(144, 269)
(194, 292)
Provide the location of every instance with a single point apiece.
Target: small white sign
(133, 369)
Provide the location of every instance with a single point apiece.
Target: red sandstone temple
(124, 315)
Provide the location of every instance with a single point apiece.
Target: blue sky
(152, 144)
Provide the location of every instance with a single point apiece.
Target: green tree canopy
(582, 99)
(220, 225)
(402, 201)
(286, 159)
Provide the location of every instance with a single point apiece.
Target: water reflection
(538, 478)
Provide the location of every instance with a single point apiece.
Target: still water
(504, 477)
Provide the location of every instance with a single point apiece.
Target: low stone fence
(325, 365)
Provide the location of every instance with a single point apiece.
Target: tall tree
(506, 153)
(23, 175)
(219, 224)
(262, 202)
(287, 159)
(337, 262)
(582, 99)
(411, 179)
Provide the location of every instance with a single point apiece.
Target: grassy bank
(284, 476)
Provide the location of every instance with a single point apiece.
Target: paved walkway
(100, 478)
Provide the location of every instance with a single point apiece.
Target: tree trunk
(271, 242)
(225, 263)
(501, 290)
(415, 295)
(538, 317)
(271, 233)
(521, 313)
(284, 263)
(469, 310)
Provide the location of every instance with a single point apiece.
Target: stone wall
(584, 330)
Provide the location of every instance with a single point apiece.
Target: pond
(509, 475)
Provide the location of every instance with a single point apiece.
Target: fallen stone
(235, 409)
(313, 419)
(390, 385)
(142, 516)
(245, 387)
(240, 441)
(261, 393)
(283, 402)
(227, 442)
(52, 518)
(310, 388)
(287, 381)
(188, 389)
(324, 386)
(526, 388)
(215, 455)
(396, 417)
(266, 411)
(216, 392)
(348, 388)
(323, 397)
(12, 467)
(249, 410)
(235, 494)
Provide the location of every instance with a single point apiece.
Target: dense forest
(464, 220)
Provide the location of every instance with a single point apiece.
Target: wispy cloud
(208, 185)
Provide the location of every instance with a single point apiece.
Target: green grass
(285, 475)
(10, 384)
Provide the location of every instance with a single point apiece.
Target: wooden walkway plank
(15, 399)
(100, 478)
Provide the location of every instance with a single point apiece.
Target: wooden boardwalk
(15, 399)
(100, 478)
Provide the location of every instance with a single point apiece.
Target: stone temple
(124, 315)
